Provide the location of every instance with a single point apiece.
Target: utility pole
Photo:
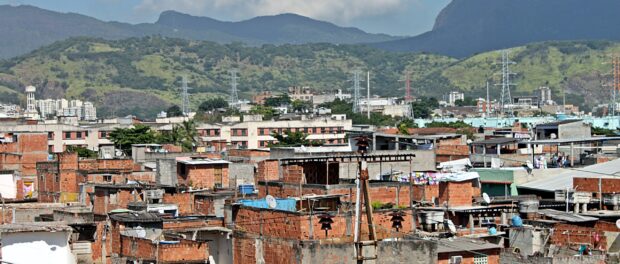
(185, 96)
(233, 101)
(368, 95)
(363, 196)
(506, 100)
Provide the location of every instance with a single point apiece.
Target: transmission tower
(615, 85)
(357, 92)
(505, 103)
(234, 97)
(185, 96)
(407, 80)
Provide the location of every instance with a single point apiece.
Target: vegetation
(423, 108)
(342, 107)
(83, 152)
(278, 101)
(292, 139)
(174, 111)
(461, 127)
(469, 101)
(184, 135)
(143, 74)
(596, 131)
(266, 111)
(123, 138)
(212, 103)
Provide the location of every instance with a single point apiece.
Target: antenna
(234, 97)
(505, 103)
(488, 106)
(356, 92)
(408, 91)
(185, 96)
(615, 84)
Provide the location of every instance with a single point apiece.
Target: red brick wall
(30, 147)
(185, 251)
(468, 257)
(197, 223)
(592, 184)
(565, 233)
(123, 198)
(203, 205)
(203, 176)
(425, 192)
(456, 193)
(292, 174)
(185, 201)
(244, 250)
(268, 170)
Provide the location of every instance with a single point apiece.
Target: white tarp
(455, 165)
(8, 186)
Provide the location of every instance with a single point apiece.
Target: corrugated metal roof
(564, 216)
(565, 180)
(459, 244)
(136, 217)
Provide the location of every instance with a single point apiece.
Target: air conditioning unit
(456, 259)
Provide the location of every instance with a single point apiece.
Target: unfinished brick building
(19, 153)
(202, 173)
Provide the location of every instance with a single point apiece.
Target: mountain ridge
(25, 28)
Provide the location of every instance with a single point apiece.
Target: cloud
(339, 11)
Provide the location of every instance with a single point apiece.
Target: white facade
(63, 107)
(257, 134)
(37, 247)
(454, 96)
(62, 135)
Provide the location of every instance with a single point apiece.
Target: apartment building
(329, 130)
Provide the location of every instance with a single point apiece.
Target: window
(322, 130)
(50, 135)
(78, 134)
(480, 259)
(67, 135)
(107, 178)
(261, 131)
(104, 134)
(57, 178)
(218, 176)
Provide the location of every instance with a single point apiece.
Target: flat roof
(204, 161)
(564, 216)
(497, 141)
(565, 180)
(460, 244)
(34, 227)
(570, 140)
(563, 122)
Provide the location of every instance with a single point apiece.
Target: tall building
(454, 96)
(89, 112)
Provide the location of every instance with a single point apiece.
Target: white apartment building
(329, 130)
(454, 96)
(63, 107)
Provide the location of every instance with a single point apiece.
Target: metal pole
(368, 95)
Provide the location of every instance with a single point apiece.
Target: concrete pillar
(503, 219)
(499, 147)
(584, 208)
(397, 144)
(576, 208)
(572, 154)
(471, 223)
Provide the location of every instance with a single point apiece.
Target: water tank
(246, 189)
(528, 206)
(516, 221)
(31, 89)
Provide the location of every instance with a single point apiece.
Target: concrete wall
(574, 130)
(416, 252)
(240, 173)
(166, 172)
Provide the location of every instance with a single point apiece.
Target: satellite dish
(271, 202)
(486, 198)
(554, 136)
(618, 223)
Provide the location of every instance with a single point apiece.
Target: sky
(395, 17)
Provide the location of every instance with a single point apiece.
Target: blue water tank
(492, 231)
(517, 221)
(246, 188)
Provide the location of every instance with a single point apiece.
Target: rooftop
(610, 169)
(136, 217)
(564, 216)
(557, 123)
(497, 141)
(34, 227)
(459, 244)
(203, 161)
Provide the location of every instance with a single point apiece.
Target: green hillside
(141, 75)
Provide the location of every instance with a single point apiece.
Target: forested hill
(141, 75)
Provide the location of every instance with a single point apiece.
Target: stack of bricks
(456, 193)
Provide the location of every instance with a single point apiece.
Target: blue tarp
(282, 204)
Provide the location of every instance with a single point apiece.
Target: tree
(212, 104)
(405, 125)
(424, 107)
(468, 101)
(278, 101)
(82, 152)
(291, 139)
(184, 135)
(123, 138)
(301, 106)
(266, 111)
(173, 111)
